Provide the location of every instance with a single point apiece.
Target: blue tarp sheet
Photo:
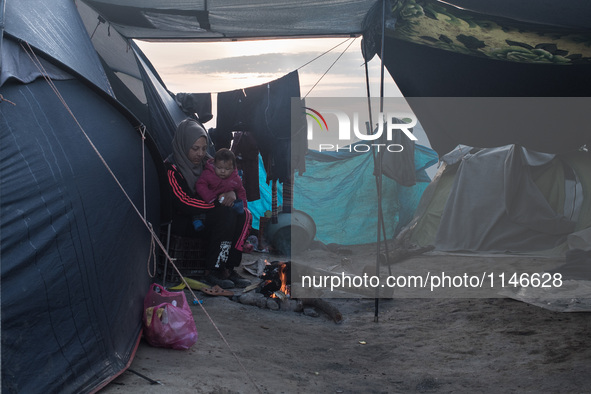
(338, 190)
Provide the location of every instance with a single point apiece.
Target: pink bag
(168, 320)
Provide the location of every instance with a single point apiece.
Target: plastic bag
(168, 320)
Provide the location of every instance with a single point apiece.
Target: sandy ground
(425, 345)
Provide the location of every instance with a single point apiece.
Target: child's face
(223, 168)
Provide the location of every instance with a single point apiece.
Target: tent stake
(144, 377)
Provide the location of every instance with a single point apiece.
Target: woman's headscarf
(186, 134)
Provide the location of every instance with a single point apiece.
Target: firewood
(251, 287)
(325, 307)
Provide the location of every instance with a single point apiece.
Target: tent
(332, 187)
(74, 251)
(83, 113)
(513, 60)
(506, 200)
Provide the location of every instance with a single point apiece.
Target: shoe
(215, 281)
(238, 280)
(217, 291)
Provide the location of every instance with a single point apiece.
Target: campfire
(274, 292)
(276, 280)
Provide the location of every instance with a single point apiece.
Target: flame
(285, 287)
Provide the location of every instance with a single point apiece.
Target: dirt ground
(425, 345)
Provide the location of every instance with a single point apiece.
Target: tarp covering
(267, 18)
(232, 19)
(338, 190)
(434, 49)
(55, 29)
(537, 48)
(442, 25)
(495, 200)
(74, 252)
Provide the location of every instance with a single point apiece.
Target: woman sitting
(224, 228)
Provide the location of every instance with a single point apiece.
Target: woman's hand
(227, 199)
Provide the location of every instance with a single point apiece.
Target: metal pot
(293, 232)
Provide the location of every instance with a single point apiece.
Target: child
(220, 176)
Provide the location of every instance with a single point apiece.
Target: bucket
(295, 228)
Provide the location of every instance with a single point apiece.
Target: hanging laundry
(229, 117)
(195, 103)
(399, 166)
(246, 150)
(265, 111)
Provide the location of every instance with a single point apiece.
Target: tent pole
(379, 165)
(370, 131)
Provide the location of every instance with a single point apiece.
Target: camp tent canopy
(501, 200)
(55, 30)
(74, 250)
(134, 81)
(239, 19)
(435, 49)
(536, 48)
(232, 19)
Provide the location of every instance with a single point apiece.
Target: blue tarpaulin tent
(338, 191)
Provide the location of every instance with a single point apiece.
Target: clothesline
(322, 54)
(333, 63)
(352, 39)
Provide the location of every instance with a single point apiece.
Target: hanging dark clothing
(265, 110)
(230, 107)
(399, 166)
(247, 160)
(195, 103)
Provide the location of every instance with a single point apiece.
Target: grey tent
(506, 200)
(74, 247)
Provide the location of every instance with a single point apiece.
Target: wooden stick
(325, 307)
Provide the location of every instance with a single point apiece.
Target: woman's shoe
(214, 280)
(238, 280)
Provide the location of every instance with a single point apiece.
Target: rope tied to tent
(142, 131)
(8, 101)
(333, 63)
(154, 238)
(322, 54)
(152, 274)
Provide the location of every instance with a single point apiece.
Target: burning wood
(276, 280)
(325, 307)
(274, 292)
(258, 299)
